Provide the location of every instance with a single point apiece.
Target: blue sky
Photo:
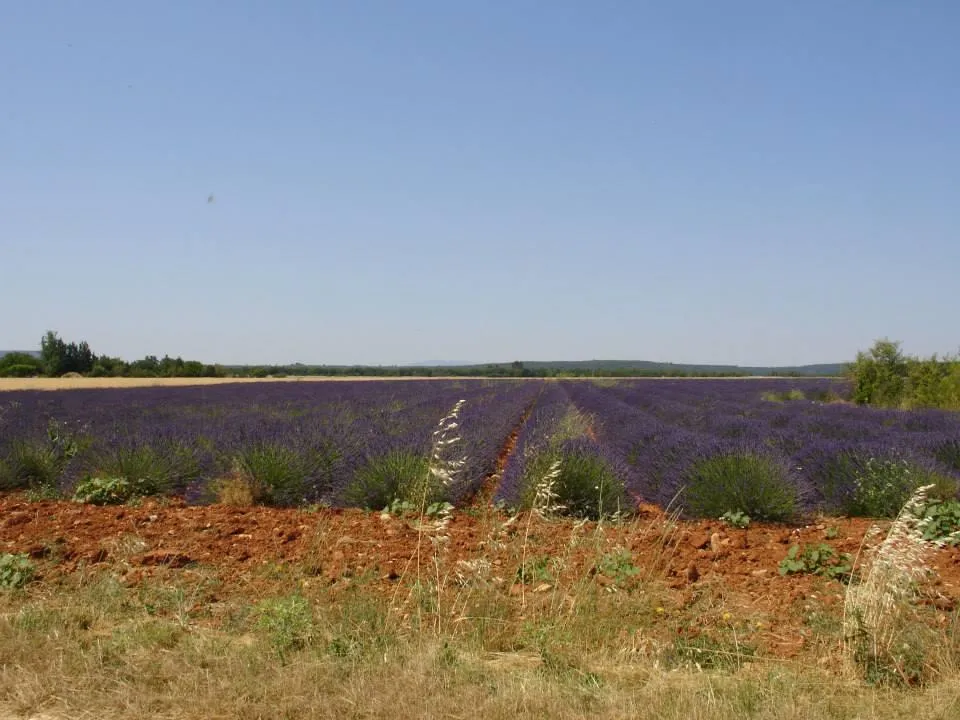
(765, 182)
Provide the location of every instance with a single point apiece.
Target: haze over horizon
(758, 184)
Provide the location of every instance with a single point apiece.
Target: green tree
(18, 364)
(880, 374)
(53, 353)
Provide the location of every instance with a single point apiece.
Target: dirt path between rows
(488, 490)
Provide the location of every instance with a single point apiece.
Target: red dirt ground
(739, 567)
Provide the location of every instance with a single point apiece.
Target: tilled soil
(336, 547)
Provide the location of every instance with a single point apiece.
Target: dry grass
(93, 648)
(235, 490)
(76, 383)
(128, 382)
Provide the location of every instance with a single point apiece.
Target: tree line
(882, 376)
(886, 377)
(515, 369)
(59, 357)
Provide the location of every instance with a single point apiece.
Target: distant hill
(34, 353)
(821, 369)
(443, 363)
(818, 369)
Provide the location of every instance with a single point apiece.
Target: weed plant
(16, 570)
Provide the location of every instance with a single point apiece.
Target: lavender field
(657, 435)
(623, 441)
(308, 441)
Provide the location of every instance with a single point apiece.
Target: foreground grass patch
(174, 647)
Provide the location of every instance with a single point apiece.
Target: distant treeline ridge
(58, 357)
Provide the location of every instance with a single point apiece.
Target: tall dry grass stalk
(237, 488)
(544, 505)
(442, 471)
(879, 609)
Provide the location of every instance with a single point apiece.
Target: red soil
(337, 546)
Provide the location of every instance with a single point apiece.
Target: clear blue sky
(746, 182)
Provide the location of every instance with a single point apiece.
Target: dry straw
(878, 610)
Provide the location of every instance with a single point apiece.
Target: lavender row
(329, 431)
(558, 444)
(661, 429)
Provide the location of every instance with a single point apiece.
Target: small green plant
(618, 566)
(907, 666)
(288, 622)
(819, 559)
(44, 491)
(740, 482)
(405, 507)
(107, 491)
(15, 571)
(736, 518)
(832, 532)
(707, 653)
(940, 521)
(536, 570)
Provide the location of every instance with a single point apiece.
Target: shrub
(880, 375)
(825, 395)
(860, 485)
(285, 476)
(404, 479)
(39, 464)
(19, 371)
(885, 376)
(948, 453)
(396, 476)
(883, 485)
(276, 474)
(107, 491)
(15, 571)
(740, 482)
(30, 465)
(925, 382)
(154, 470)
(793, 394)
(583, 485)
(18, 364)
